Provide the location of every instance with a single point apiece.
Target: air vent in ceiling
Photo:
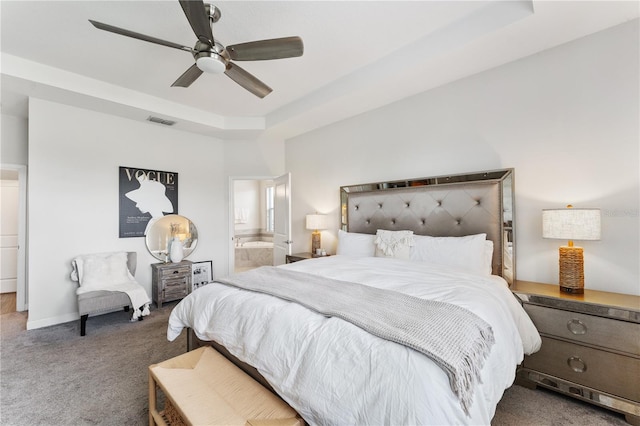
(160, 121)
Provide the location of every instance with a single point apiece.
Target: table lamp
(571, 224)
(316, 222)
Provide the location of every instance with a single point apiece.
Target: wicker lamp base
(315, 242)
(571, 270)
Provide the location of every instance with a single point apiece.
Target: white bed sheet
(333, 372)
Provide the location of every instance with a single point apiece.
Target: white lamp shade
(571, 224)
(316, 221)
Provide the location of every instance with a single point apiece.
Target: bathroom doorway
(252, 222)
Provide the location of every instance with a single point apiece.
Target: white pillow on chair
(102, 270)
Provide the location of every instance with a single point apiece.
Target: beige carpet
(52, 376)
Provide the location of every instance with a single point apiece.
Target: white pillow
(469, 252)
(488, 256)
(102, 270)
(395, 244)
(355, 244)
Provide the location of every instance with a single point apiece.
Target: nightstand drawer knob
(577, 364)
(576, 326)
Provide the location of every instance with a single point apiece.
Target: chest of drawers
(590, 346)
(170, 281)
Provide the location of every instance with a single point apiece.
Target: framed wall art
(145, 196)
(201, 274)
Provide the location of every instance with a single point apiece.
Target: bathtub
(253, 254)
(256, 244)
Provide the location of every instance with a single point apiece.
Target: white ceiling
(358, 55)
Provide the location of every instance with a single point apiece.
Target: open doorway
(252, 223)
(13, 291)
(259, 221)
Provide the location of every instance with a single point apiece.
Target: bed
(428, 254)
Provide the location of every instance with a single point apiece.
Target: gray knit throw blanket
(454, 338)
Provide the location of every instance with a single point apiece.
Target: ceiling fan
(213, 57)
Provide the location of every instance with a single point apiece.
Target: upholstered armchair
(106, 284)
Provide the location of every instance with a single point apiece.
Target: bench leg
(152, 399)
(83, 324)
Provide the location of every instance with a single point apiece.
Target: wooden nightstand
(590, 346)
(170, 281)
(296, 257)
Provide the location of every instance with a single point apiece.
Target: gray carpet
(52, 376)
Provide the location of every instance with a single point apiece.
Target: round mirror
(167, 231)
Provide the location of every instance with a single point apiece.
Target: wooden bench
(202, 387)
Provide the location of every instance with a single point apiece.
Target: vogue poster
(145, 196)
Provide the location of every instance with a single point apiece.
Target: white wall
(263, 157)
(13, 140)
(247, 199)
(74, 155)
(566, 119)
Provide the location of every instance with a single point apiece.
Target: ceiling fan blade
(246, 80)
(197, 16)
(276, 48)
(188, 77)
(127, 33)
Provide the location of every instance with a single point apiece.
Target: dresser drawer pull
(576, 364)
(576, 327)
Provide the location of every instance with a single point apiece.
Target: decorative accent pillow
(469, 252)
(102, 270)
(396, 244)
(355, 244)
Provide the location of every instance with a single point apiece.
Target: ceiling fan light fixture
(211, 63)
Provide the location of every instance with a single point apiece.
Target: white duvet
(334, 373)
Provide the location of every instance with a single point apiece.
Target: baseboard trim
(46, 322)
(9, 285)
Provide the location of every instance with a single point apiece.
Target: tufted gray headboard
(454, 205)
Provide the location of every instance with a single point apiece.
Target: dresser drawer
(180, 270)
(177, 285)
(605, 332)
(606, 371)
(173, 294)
